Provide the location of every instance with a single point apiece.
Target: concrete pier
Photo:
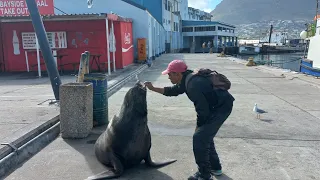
(283, 144)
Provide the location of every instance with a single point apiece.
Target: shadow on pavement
(86, 148)
(223, 177)
(267, 120)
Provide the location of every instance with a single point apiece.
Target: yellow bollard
(222, 54)
(251, 62)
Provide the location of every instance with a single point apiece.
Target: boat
(306, 67)
(249, 50)
(310, 64)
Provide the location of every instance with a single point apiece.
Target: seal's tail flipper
(109, 174)
(151, 163)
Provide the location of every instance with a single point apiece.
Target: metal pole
(317, 9)
(38, 57)
(44, 46)
(108, 44)
(114, 50)
(27, 60)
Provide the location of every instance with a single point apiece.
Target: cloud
(204, 5)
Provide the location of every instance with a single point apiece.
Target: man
(203, 46)
(212, 106)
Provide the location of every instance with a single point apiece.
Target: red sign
(20, 8)
(127, 45)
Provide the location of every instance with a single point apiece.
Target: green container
(100, 98)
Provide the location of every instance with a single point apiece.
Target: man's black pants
(203, 145)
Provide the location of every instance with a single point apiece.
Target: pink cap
(175, 66)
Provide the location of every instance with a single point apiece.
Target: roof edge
(218, 22)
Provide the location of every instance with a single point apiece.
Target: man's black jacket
(201, 93)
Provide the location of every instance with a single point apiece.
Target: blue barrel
(100, 99)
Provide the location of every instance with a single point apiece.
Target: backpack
(219, 81)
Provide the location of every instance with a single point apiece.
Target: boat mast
(270, 34)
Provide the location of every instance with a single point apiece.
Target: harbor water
(290, 61)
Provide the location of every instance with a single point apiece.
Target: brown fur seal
(127, 139)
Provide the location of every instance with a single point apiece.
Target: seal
(127, 139)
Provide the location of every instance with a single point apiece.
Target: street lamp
(90, 3)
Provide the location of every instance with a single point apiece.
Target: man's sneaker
(216, 172)
(197, 176)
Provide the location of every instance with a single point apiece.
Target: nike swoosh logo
(126, 50)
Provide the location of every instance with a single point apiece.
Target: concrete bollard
(76, 110)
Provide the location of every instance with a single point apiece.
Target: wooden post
(82, 68)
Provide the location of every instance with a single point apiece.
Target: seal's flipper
(115, 172)
(151, 163)
(109, 174)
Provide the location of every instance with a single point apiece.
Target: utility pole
(317, 8)
(44, 46)
(271, 28)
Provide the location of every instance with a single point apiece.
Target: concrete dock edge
(26, 151)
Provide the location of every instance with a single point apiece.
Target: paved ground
(24, 102)
(283, 145)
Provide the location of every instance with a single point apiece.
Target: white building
(172, 23)
(198, 15)
(174, 12)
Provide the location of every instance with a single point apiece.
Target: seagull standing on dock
(258, 111)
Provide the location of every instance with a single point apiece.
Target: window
(177, 6)
(187, 29)
(166, 4)
(205, 28)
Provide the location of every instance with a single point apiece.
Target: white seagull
(258, 111)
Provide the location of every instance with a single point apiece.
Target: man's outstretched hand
(152, 88)
(149, 85)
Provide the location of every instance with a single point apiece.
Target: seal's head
(136, 98)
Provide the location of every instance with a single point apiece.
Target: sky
(205, 5)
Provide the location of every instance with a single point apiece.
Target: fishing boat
(249, 50)
(310, 64)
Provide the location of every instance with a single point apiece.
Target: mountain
(252, 17)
